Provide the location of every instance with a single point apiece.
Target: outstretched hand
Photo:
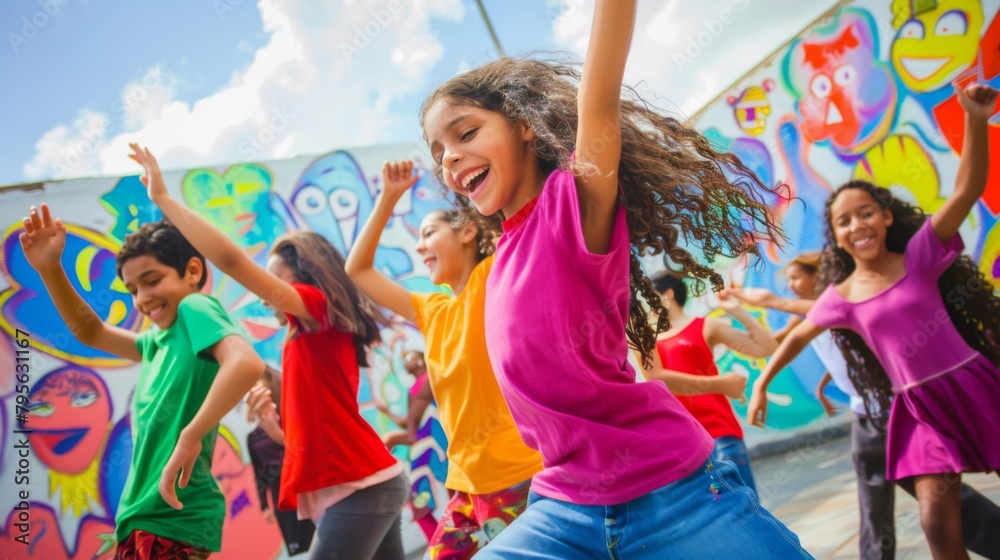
(760, 297)
(43, 239)
(978, 100)
(152, 178)
(397, 178)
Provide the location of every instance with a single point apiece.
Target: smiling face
(859, 224)
(70, 410)
(443, 249)
(482, 156)
(157, 289)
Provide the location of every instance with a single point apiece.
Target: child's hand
(260, 403)
(728, 302)
(978, 100)
(152, 178)
(735, 386)
(43, 239)
(828, 406)
(397, 178)
(181, 462)
(757, 411)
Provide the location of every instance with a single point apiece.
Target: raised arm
(239, 368)
(397, 178)
(688, 384)
(979, 102)
(598, 136)
(215, 245)
(43, 242)
(756, 342)
(789, 348)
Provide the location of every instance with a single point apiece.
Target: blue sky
(196, 79)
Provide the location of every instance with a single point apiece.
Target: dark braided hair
(977, 320)
(677, 191)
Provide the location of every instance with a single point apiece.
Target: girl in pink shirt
(918, 327)
(626, 469)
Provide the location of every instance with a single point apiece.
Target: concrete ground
(812, 489)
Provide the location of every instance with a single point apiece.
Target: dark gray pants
(980, 516)
(364, 525)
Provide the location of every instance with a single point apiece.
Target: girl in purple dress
(900, 296)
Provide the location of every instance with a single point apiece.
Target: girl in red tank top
(685, 362)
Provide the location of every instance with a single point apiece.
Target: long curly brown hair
(677, 188)
(977, 319)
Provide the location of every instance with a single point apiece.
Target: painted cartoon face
(932, 48)
(334, 199)
(751, 110)
(238, 202)
(70, 411)
(846, 95)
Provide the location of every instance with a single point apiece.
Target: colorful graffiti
(751, 108)
(79, 400)
(864, 94)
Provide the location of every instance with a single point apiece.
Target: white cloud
(327, 76)
(686, 52)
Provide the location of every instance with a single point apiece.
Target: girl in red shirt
(336, 471)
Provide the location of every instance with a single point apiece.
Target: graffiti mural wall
(864, 93)
(79, 398)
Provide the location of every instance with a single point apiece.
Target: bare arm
(239, 368)
(756, 342)
(216, 246)
(762, 297)
(780, 334)
(43, 241)
(979, 101)
(688, 384)
(360, 266)
(789, 348)
(598, 137)
(418, 405)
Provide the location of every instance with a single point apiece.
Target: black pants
(980, 516)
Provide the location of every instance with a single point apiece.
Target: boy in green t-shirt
(195, 368)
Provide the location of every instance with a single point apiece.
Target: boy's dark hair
(668, 281)
(976, 318)
(164, 242)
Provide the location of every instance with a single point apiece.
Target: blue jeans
(733, 449)
(709, 514)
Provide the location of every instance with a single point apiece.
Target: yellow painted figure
(932, 47)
